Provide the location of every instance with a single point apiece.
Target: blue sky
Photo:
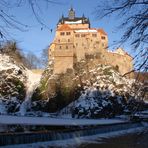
(34, 39)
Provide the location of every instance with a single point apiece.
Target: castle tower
(71, 14)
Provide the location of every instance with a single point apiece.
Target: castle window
(68, 33)
(68, 40)
(77, 35)
(94, 35)
(82, 35)
(62, 33)
(59, 40)
(60, 47)
(103, 37)
(66, 47)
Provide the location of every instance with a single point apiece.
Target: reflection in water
(134, 140)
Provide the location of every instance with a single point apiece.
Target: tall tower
(71, 14)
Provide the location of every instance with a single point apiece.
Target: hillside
(12, 88)
(87, 92)
(16, 85)
(96, 89)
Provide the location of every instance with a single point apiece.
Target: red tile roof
(102, 31)
(64, 27)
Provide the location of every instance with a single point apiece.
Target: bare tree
(9, 21)
(44, 57)
(32, 61)
(134, 21)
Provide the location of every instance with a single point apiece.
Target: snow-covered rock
(17, 84)
(104, 93)
(12, 84)
(13, 77)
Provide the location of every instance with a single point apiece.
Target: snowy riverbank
(22, 120)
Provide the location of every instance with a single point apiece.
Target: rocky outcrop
(12, 84)
(57, 91)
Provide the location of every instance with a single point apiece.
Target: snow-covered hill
(90, 92)
(16, 85)
(104, 93)
(12, 80)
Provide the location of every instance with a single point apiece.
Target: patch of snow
(5, 63)
(32, 83)
(2, 107)
(55, 121)
(73, 22)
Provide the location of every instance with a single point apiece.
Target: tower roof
(64, 27)
(72, 18)
(100, 30)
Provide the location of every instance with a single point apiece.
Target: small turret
(71, 14)
(83, 18)
(62, 19)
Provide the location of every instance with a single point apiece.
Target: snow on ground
(4, 119)
(77, 141)
(5, 63)
(33, 80)
(2, 108)
(32, 83)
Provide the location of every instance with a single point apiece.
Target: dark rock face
(59, 91)
(11, 86)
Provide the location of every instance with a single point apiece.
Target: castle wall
(64, 38)
(63, 60)
(122, 62)
(87, 43)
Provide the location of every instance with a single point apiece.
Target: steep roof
(100, 30)
(64, 27)
(64, 19)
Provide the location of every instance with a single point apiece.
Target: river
(132, 140)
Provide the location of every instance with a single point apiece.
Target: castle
(75, 40)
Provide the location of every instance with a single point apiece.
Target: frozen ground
(5, 119)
